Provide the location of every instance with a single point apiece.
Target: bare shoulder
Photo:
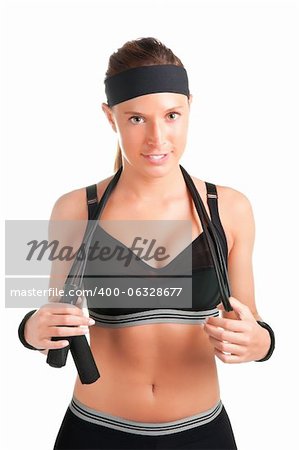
(235, 210)
(236, 200)
(73, 205)
(228, 196)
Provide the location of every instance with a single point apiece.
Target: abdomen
(158, 372)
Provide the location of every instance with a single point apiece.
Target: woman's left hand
(237, 341)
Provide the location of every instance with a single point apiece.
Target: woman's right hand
(55, 319)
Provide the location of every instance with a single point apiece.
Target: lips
(156, 155)
(156, 158)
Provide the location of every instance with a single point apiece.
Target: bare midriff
(151, 372)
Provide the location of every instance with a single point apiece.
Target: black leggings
(83, 428)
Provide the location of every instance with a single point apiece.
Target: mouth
(154, 157)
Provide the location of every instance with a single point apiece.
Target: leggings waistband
(144, 428)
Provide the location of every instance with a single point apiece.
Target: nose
(156, 134)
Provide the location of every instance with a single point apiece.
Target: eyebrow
(141, 114)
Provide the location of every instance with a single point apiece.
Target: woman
(158, 386)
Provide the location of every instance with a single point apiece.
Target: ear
(190, 99)
(109, 114)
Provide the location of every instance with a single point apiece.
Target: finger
(240, 309)
(80, 302)
(63, 308)
(69, 320)
(228, 359)
(68, 331)
(227, 347)
(54, 345)
(69, 309)
(234, 337)
(228, 324)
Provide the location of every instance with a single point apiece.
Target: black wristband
(272, 337)
(21, 330)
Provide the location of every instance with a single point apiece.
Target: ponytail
(118, 159)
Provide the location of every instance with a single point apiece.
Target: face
(151, 124)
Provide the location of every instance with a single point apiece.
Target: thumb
(242, 311)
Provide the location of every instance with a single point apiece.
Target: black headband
(146, 80)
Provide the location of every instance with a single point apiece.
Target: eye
(173, 113)
(135, 117)
(132, 119)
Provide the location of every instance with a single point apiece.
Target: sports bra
(205, 289)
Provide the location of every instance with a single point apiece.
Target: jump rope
(78, 345)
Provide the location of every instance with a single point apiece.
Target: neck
(160, 185)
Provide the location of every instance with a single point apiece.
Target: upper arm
(66, 230)
(240, 269)
(68, 223)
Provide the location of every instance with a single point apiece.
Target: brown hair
(139, 52)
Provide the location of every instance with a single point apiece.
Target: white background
(241, 60)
